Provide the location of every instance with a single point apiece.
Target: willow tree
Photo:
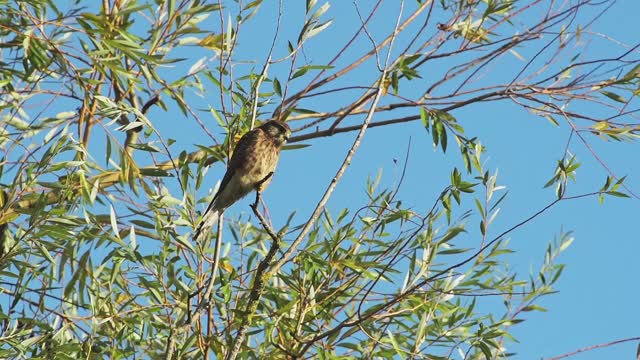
(101, 193)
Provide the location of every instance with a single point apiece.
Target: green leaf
(319, 28)
(132, 237)
(534, 307)
(453, 251)
(617, 194)
(552, 120)
(145, 147)
(133, 9)
(277, 88)
(396, 346)
(443, 135)
(424, 117)
(114, 221)
(301, 71)
(171, 7)
(613, 96)
(310, 5)
(155, 172)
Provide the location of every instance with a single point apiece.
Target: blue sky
(597, 299)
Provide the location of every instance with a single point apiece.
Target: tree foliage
(100, 197)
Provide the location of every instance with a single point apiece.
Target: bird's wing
(223, 184)
(243, 153)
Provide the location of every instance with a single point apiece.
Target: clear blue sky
(598, 297)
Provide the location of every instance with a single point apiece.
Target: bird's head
(277, 130)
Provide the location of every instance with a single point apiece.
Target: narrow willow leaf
(396, 346)
(613, 96)
(424, 117)
(132, 237)
(318, 29)
(321, 10)
(114, 221)
(197, 66)
(310, 5)
(277, 87)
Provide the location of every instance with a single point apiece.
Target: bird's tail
(209, 219)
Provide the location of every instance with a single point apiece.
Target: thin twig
(593, 347)
(265, 69)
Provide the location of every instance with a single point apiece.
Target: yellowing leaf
(212, 41)
(601, 125)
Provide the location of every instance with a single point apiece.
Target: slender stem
(212, 277)
(259, 281)
(598, 346)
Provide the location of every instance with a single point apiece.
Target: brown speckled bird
(250, 168)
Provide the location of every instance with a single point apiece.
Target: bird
(250, 168)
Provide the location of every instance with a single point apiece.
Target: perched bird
(250, 168)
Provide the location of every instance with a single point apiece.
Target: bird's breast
(260, 163)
